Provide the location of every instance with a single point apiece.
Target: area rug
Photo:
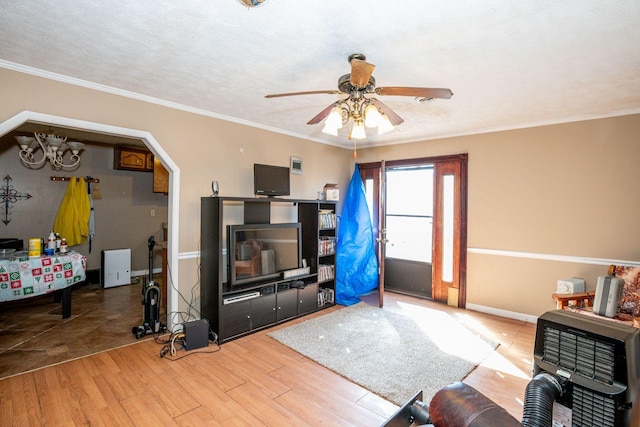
(390, 354)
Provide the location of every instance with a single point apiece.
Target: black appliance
(596, 361)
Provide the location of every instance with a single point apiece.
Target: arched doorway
(174, 175)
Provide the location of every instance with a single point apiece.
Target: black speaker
(196, 334)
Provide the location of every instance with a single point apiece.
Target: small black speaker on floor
(196, 334)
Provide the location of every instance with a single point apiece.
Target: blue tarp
(356, 264)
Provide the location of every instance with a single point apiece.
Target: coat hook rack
(68, 178)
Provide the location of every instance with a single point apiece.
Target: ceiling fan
(359, 105)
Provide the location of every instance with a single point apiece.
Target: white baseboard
(503, 313)
(136, 273)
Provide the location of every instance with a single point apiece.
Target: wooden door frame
(368, 170)
(377, 221)
(440, 289)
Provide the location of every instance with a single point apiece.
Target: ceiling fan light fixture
(365, 111)
(357, 131)
(333, 122)
(330, 130)
(335, 118)
(371, 116)
(384, 125)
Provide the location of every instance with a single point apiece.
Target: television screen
(262, 251)
(270, 180)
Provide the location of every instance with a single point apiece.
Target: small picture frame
(296, 165)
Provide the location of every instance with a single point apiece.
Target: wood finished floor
(252, 381)
(33, 333)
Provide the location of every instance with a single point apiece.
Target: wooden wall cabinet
(125, 158)
(160, 177)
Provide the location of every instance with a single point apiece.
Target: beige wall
(203, 148)
(545, 193)
(562, 190)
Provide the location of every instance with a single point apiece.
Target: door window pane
(409, 191)
(368, 194)
(409, 238)
(409, 219)
(447, 228)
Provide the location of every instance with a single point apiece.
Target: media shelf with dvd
(247, 282)
(240, 297)
(296, 272)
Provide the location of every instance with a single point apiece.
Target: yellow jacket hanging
(72, 220)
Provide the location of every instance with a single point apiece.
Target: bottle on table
(63, 246)
(51, 241)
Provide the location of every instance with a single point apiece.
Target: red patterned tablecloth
(26, 277)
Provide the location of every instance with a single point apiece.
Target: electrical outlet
(153, 212)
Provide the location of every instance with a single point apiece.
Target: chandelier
(362, 111)
(53, 148)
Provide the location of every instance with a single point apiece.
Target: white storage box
(331, 192)
(570, 286)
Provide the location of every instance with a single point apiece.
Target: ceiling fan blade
(360, 72)
(324, 113)
(393, 117)
(423, 92)
(309, 92)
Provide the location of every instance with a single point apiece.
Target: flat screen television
(270, 180)
(259, 252)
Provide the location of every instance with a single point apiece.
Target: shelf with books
(326, 245)
(320, 245)
(326, 220)
(326, 272)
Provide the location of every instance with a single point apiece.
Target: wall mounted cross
(8, 194)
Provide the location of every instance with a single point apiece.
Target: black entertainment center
(258, 273)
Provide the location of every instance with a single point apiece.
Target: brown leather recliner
(460, 405)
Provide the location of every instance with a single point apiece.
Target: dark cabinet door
(236, 319)
(307, 299)
(263, 311)
(287, 304)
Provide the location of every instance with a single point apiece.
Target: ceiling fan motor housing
(344, 85)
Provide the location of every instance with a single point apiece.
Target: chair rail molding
(552, 257)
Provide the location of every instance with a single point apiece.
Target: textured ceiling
(510, 64)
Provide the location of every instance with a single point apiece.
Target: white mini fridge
(116, 268)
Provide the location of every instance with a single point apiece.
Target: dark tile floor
(33, 333)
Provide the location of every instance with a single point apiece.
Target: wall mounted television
(258, 252)
(270, 180)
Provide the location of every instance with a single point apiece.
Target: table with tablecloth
(23, 277)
